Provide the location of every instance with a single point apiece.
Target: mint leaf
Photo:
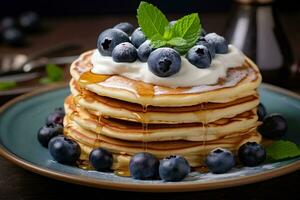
(151, 20)
(157, 41)
(281, 149)
(7, 85)
(188, 28)
(54, 74)
(177, 41)
(168, 33)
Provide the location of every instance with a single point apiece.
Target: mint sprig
(281, 150)
(54, 74)
(181, 36)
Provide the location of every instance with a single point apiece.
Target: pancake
(133, 131)
(90, 140)
(240, 81)
(203, 113)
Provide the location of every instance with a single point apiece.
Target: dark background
(96, 7)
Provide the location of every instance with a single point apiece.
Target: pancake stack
(126, 116)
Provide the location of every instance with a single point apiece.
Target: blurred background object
(255, 28)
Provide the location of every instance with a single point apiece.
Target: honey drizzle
(90, 78)
(98, 131)
(145, 123)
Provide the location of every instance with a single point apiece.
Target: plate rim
(137, 187)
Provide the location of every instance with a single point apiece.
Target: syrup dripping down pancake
(204, 113)
(132, 131)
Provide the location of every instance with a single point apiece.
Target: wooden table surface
(17, 183)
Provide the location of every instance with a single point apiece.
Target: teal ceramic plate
(21, 118)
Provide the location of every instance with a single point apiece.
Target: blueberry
(59, 110)
(171, 23)
(199, 56)
(126, 27)
(57, 117)
(144, 51)
(110, 38)
(210, 46)
(173, 168)
(144, 166)
(138, 37)
(274, 126)
(202, 32)
(261, 112)
(13, 36)
(7, 22)
(101, 159)
(252, 154)
(164, 62)
(64, 150)
(218, 41)
(220, 161)
(124, 52)
(46, 133)
(29, 21)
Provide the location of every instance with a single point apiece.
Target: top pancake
(240, 82)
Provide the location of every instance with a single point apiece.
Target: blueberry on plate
(261, 112)
(144, 51)
(64, 150)
(144, 166)
(110, 38)
(138, 37)
(174, 168)
(13, 36)
(210, 46)
(46, 133)
(57, 117)
(60, 111)
(220, 161)
(29, 21)
(101, 159)
(218, 41)
(251, 154)
(274, 126)
(199, 56)
(164, 62)
(124, 52)
(126, 27)
(7, 22)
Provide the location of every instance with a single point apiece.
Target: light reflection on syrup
(122, 172)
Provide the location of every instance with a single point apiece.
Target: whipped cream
(188, 76)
